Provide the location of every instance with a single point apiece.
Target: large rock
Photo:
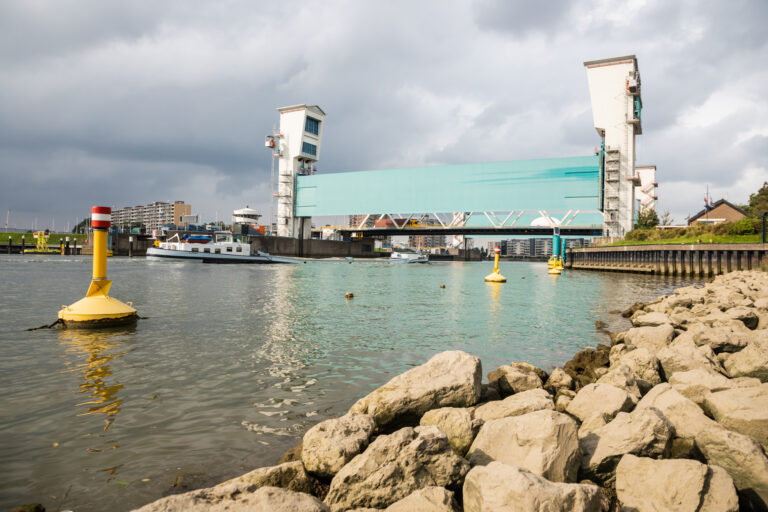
(684, 355)
(558, 380)
(582, 368)
(515, 405)
(622, 377)
(457, 423)
(514, 378)
(232, 494)
(652, 338)
(644, 432)
(543, 442)
(393, 466)
(745, 315)
(648, 485)
(332, 443)
(686, 417)
(651, 320)
(698, 383)
(449, 379)
(428, 499)
(642, 362)
(719, 339)
(600, 399)
(743, 459)
(752, 361)
(744, 410)
(499, 487)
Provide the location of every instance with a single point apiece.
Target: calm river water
(234, 363)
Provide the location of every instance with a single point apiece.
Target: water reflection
(97, 349)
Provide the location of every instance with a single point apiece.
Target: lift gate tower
(296, 146)
(614, 88)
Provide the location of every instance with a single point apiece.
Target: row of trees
(758, 204)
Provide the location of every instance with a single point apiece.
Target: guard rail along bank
(700, 260)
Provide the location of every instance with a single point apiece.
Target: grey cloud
(171, 100)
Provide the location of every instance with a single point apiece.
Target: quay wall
(695, 260)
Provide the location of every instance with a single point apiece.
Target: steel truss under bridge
(484, 198)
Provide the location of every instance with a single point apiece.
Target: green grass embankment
(30, 240)
(745, 231)
(691, 239)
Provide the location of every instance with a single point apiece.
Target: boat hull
(201, 257)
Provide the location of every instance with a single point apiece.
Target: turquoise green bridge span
(551, 184)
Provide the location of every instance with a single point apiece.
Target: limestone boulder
(592, 423)
(742, 457)
(557, 380)
(622, 377)
(563, 398)
(652, 338)
(457, 423)
(499, 487)
(394, 466)
(448, 379)
(644, 485)
(233, 494)
(651, 320)
(719, 339)
(696, 384)
(743, 410)
(746, 315)
(428, 499)
(330, 444)
(515, 405)
(509, 379)
(543, 442)
(684, 355)
(752, 361)
(600, 399)
(526, 367)
(644, 432)
(644, 364)
(584, 364)
(684, 415)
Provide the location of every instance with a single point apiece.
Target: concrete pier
(694, 260)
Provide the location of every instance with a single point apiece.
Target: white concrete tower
(298, 149)
(614, 87)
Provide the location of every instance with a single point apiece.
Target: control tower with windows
(614, 87)
(297, 148)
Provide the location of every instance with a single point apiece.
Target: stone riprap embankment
(673, 416)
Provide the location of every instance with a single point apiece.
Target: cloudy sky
(123, 103)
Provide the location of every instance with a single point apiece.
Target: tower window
(309, 149)
(312, 126)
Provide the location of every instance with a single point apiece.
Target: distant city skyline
(126, 103)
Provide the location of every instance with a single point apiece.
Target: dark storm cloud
(149, 101)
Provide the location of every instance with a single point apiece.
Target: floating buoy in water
(495, 277)
(98, 309)
(349, 295)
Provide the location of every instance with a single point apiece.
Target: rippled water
(234, 363)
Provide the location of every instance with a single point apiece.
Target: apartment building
(151, 216)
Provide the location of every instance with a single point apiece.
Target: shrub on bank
(747, 226)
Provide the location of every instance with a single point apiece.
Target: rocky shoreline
(672, 416)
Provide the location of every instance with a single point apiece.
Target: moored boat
(407, 255)
(222, 248)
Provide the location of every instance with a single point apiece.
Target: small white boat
(222, 248)
(407, 255)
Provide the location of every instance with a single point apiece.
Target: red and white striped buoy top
(101, 217)
(497, 249)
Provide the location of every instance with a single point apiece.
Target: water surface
(234, 363)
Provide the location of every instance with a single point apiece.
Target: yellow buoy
(97, 308)
(495, 277)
